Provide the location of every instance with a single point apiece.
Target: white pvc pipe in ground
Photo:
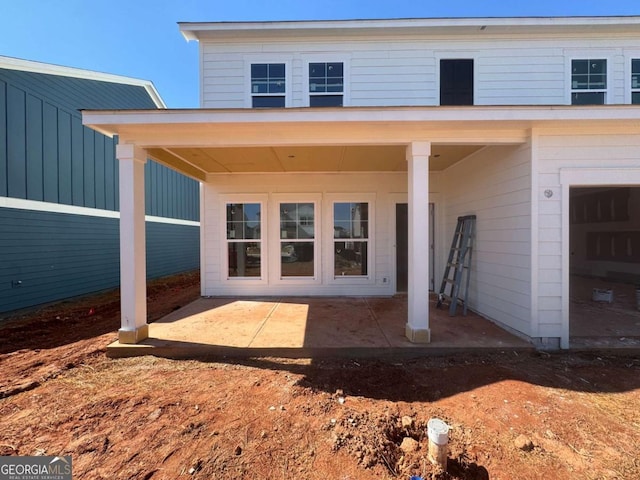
(438, 434)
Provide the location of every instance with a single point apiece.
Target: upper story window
(268, 85)
(456, 82)
(326, 84)
(635, 81)
(588, 82)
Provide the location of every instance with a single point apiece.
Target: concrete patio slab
(309, 327)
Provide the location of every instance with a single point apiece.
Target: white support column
(133, 270)
(417, 329)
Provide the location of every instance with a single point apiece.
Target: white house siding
(383, 189)
(495, 185)
(556, 151)
(404, 70)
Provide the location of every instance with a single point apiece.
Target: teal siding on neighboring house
(171, 248)
(80, 93)
(47, 155)
(41, 254)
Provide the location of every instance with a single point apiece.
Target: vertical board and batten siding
(556, 151)
(403, 71)
(382, 186)
(495, 185)
(47, 155)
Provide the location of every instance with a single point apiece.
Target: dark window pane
(334, 70)
(456, 82)
(597, 82)
(587, 98)
(580, 66)
(589, 74)
(268, 102)
(580, 82)
(325, 100)
(350, 258)
(268, 78)
(317, 70)
(325, 77)
(597, 66)
(296, 259)
(244, 259)
(635, 98)
(276, 70)
(258, 70)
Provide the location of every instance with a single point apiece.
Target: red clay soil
(512, 416)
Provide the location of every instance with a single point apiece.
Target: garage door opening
(604, 266)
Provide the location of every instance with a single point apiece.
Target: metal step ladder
(458, 271)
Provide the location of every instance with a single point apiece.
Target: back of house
(337, 156)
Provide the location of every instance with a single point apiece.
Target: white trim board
(36, 206)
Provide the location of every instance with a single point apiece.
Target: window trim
(328, 238)
(629, 90)
(589, 55)
(346, 75)
(262, 199)
(288, 86)
(274, 252)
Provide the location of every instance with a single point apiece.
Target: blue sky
(140, 38)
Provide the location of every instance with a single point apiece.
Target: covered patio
(312, 327)
(319, 156)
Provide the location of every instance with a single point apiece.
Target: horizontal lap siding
(171, 248)
(508, 70)
(557, 151)
(58, 256)
(494, 185)
(55, 256)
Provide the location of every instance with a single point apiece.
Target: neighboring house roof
(494, 25)
(78, 89)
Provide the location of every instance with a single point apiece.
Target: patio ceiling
(361, 158)
(202, 142)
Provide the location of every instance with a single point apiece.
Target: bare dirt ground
(512, 416)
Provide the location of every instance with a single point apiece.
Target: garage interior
(604, 236)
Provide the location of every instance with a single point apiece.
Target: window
(635, 81)
(268, 85)
(456, 82)
(326, 84)
(588, 82)
(351, 239)
(244, 245)
(297, 240)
